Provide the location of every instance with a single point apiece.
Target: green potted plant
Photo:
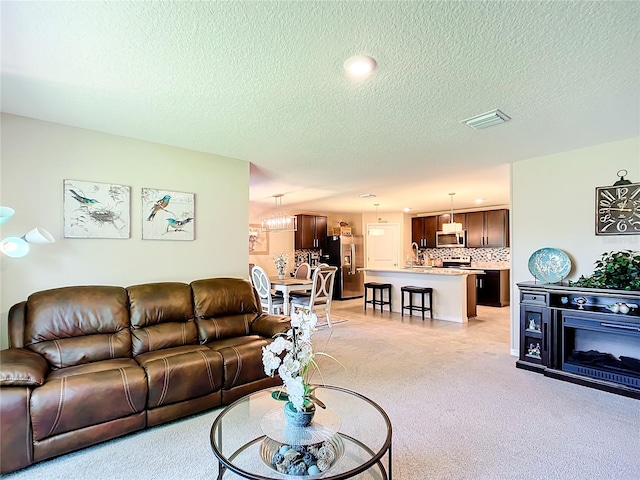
(615, 270)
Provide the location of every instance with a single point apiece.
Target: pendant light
(279, 221)
(376, 232)
(451, 227)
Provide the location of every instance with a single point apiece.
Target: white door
(382, 249)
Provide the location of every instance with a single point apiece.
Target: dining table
(287, 285)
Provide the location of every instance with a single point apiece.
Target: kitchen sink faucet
(417, 253)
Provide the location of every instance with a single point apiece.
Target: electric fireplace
(586, 336)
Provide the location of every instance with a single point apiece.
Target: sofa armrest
(270, 325)
(22, 367)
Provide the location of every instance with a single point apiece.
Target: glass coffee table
(249, 429)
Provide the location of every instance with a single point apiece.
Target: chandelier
(279, 221)
(451, 227)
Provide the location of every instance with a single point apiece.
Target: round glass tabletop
(357, 425)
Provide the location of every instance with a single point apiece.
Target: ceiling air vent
(494, 117)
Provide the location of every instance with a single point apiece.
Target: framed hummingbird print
(96, 210)
(167, 215)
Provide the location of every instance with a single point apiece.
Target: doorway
(382, 247)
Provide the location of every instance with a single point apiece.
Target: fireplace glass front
(605, 349)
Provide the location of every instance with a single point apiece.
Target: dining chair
(270, 303)
(321, 292)
(303, 271)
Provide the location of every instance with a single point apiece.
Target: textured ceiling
(264, 82)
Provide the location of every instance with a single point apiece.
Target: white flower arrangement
(295, 368)
(281, 260)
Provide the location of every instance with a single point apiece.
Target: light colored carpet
(322, 319)
(459, 408)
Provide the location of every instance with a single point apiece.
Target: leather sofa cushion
(76, 325)
(224, 307)
(243, 362)
(270, 325)
(22, 367)
(219, 297)
(161, 316)
(181, 373)
(85, 395)
(233, 341)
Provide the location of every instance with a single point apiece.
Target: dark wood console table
(586, 336)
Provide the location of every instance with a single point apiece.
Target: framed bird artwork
(96, 210)
(167, 215)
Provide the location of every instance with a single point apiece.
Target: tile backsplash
(476, 254)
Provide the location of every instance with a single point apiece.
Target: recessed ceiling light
(479, 200)
(406, 209)
(367, 195)
(360, 66)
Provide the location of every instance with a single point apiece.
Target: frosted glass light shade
(14, 247)
(451, 227)
(39, 235)
(5, 214)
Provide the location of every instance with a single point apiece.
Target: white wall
(553, 205)
(36, 158)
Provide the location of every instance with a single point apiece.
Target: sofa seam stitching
(209, 371)
(165, 385)
(28, 437)
(239, 365)
(59, 350)
(63, 382)
(127, 392)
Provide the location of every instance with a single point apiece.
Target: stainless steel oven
(453, 239)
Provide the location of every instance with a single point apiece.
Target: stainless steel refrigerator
(347, 253)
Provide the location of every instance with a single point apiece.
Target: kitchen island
(454, 290)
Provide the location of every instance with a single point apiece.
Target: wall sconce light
(18, 247)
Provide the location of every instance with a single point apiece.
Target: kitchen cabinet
(423, 231)
(311, 233)
(493, 288)
(472, 296)
(487, 229)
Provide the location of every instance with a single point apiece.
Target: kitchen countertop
(429, 270)
(491, 265)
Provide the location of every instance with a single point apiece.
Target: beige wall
(38, 156)
(553, 205)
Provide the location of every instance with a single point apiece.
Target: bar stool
(411, 307)
(375, 287)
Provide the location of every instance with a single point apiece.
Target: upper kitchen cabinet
(423, 231)
(311, 233)
(488, 229)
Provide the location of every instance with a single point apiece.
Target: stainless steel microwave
(453, 239)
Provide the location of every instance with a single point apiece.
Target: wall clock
(618, 209)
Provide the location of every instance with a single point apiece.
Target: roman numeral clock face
(618, 210)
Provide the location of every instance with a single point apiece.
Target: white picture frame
(167, 215)
(96, 210)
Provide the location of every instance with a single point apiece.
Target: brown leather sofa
(91, 363)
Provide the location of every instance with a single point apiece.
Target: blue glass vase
(299, 419)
